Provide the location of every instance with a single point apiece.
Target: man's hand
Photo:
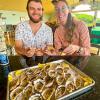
(71, 49)
(29, 52)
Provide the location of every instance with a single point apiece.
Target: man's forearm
(21, 51)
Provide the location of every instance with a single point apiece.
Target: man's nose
(35, 11)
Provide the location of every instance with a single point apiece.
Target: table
(92, 69)
(95, 35)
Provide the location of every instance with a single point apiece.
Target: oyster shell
(66, 69)
(15, 92)
(53, 66)
(46, 67)
(30, 74)
(67, 76)
(23, 79)
(14, 83)
(20, 96)
(47, 93)
(69, 86)
(28, 91)
(60, 79)
(60, 91)
(36, 97)
(38, 85)
(78, 82)
(48, 81)
(51, 73)
(37, 71)
(59, 70)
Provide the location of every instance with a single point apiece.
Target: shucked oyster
(59, 70)
(60, 91)
(15, 92)
(30, 74)
(37, 71)
(51, 73)
(36, 97)
(66, 69)
(48, 81)
(60, 79)
(46, 94)
(41, 75)
(23, 79)
(28, 91)
(20, 96)
(14, 83)
(38, 85)
(53, 66)
(69, 86)
(67, 76)
(78, 82)
(46, 67)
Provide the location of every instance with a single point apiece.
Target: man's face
(61, 12)
(35, 11)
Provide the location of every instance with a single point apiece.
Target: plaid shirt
(80, 37)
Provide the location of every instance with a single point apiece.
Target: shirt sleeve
(57, 42)
(18, 32)
(49, 36)
(84, 39)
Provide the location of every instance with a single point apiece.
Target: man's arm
(19, 47)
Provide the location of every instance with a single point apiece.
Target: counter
(92, 69)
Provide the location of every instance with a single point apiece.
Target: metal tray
(71, 95)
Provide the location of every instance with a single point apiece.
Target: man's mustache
(36, 14)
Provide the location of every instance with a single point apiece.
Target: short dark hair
(32, 0)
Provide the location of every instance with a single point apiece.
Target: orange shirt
(80, 37)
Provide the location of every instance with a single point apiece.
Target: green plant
(88, 19)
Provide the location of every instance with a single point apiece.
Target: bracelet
(79, 50)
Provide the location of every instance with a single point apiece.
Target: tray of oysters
(55, 80)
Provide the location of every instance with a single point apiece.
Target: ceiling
(20, 5)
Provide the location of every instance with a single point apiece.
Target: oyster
(36, 97)
(38, 85)
(47, 93)
(78, 82)
(28, 91)
(60, 79)
(66, 69)
(15, 92)
(30, 74)
(48, 81)
(41, 75)
(37, 71)
(51, 73)
(46, 67)
(60, 91)
(69, 86)
(59, 70)
(53, 66)
(67, 76)
(20, 96)
(23, 79)
(14, 83)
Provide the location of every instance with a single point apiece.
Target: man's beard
(35, 21)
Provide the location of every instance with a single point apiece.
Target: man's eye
(31, 8)
(39, 9)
